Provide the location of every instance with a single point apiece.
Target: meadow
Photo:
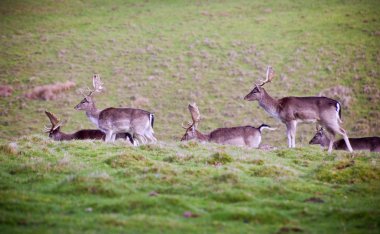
(160, 56)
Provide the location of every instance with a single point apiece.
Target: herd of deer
(136, 125)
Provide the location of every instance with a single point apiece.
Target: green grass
(91, 187)
(176, 52)
(170, 53)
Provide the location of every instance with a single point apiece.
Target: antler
(97, 83)
(189, 125)
(55, 123)
(46, 129)
(53, 120)
(195, 115)
(269, 77)
(194, 111)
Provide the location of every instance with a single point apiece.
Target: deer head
(87, 102)
(256, 93)
(191, 128)
(55, 124)
(319, 138)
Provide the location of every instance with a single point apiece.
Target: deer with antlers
(84, 134)
(291, 110)
(138, 123)
(371, 144)
(239, 136)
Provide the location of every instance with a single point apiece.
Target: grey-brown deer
(291, 110)
(111, 121)
(365, 143)
(84, 134)
(239, 136)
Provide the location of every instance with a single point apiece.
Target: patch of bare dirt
(314, 200)
(49, 92)
(139, 101)
(341, 93)
(289, 230)
(6, 90)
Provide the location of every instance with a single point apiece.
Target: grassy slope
(90, 187)
(175, 52)
(172, 53)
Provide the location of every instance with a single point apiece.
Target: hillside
(160, 56)
(92, 187)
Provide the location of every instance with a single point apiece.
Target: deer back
(365, 143)
(118, 119)
(239, 136)
(307, 108)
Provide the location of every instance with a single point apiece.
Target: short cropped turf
(95, 187)
(160, 56)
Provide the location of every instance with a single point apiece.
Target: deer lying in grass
(93, 134)
(138, 123)
(365, 143)
(238, 136)
(291, 110)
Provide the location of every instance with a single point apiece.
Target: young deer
(366, 143)
(93, 134)
(111, 121)
(291, 110)
(239, 136)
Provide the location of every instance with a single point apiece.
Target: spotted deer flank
(111, 121)
(292, 110)
(239, 136)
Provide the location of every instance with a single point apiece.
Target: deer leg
(140, 138)
(135, 142)
(113, 137)
(150, 137)
(331, 137)
(293, 133)
(345, 137)
(130, 138)
(108, 136)
(289, 136)
(330, 134)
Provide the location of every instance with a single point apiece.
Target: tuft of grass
(219, 158)
(348, 171)
(274, 171)
(54, 186)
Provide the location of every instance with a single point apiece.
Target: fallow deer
(239, 136)
(291, 110)
(84, 134)
(365, 143)
(111, 121)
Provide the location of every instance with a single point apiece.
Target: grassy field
(159, 56)
(60, 187)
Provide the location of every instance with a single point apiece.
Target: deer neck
(60, 136)
(93, 115)
(325, 143)
(269, 104)
(203, 137)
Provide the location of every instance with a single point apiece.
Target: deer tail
(265, 126)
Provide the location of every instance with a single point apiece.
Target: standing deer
(111, 121)
(93, 134)
(366, 143)
(239, 136)
(291, 110)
